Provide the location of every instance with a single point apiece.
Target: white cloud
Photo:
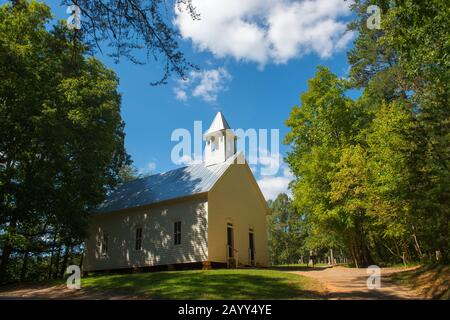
(265, 31)
(211, 82)
(148, 169)
(185, 160)
(151, 166)
(180, 94)
(272, 186)
(204, 84)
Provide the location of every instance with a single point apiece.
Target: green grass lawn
(209, 284)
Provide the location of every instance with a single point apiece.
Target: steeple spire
(219, 123)
(220, 141)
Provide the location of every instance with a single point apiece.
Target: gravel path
(350, 283)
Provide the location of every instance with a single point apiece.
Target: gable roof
(219, 123)
(181, 182)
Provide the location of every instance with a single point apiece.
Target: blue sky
(259, 58)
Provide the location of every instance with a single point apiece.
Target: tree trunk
(58, 258)
(6, 253)
(23, 272)
(50, 267)
(81, 260)
(354, 256)
(7, 250)
(444, 254)
(65, 261)
(416, 243)
(361, 253)
(366, 256)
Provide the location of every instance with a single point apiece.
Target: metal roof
(169, 185)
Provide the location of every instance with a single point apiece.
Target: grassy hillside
(431, 281)
(209, 284)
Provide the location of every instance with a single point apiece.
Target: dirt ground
(61, 292)
(350, 283)
(340, 283)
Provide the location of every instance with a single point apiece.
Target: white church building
(204, 215)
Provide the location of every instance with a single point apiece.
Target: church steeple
(220, 141)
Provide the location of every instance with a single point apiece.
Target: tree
(62, 139)
(390, 194)
(322, 128)
(132, 26)
(419, 32)
(287, 231)
(128, 173)
(412, 48)
(140, 31)
(374, 171)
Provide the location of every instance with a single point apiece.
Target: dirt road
(60, 292)
(350, 283)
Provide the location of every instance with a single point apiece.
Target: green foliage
(128, 173)
(323, 128)
(287, 232)
(62, 140)
(140, 31)
(374, 172)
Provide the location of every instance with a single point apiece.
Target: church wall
(158, 248)
(236, 199)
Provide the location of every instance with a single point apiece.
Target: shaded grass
(432, 281)
(398, 265)
(209, 284)
(300, 265)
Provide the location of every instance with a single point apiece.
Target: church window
(215, 144)
(104, 244)
(177, 232)
(138, 239)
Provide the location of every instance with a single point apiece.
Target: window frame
(138, 239)
(177, 233)
(104, 244)
(251, 243)
(230, 239)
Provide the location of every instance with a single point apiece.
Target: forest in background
(372, 175)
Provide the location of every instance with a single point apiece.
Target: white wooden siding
(157, 225)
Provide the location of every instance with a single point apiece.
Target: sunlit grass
(209, 284)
